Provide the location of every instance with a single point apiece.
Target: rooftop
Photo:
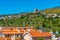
(13, 31)
(36, 33)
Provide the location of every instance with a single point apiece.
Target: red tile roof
(13, 31)
(0, 31)
(36, 33)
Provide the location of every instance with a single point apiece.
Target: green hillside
(30, 19)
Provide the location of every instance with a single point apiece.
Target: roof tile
(37, 33)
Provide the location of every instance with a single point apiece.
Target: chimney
(40, 30)
(51, 32)
(28, 30)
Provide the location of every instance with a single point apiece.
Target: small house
(35, 34)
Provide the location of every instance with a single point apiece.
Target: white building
(35, 34)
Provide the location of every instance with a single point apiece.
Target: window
(17, 35)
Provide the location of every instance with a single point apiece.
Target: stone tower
(35, 11)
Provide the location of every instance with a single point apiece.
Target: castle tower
(35, 11)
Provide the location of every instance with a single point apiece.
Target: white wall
(54, 38)
(27, 37)
(12, 37)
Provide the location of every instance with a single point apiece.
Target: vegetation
(51, 10)
(35, 20)
(40, 38)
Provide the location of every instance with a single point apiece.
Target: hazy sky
(15, 6)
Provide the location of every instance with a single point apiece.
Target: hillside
(51, 10)
(37, 20)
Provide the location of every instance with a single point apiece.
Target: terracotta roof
(36, 33)
(13, 31)
(0, 31)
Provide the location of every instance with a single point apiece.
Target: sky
(18, 6)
